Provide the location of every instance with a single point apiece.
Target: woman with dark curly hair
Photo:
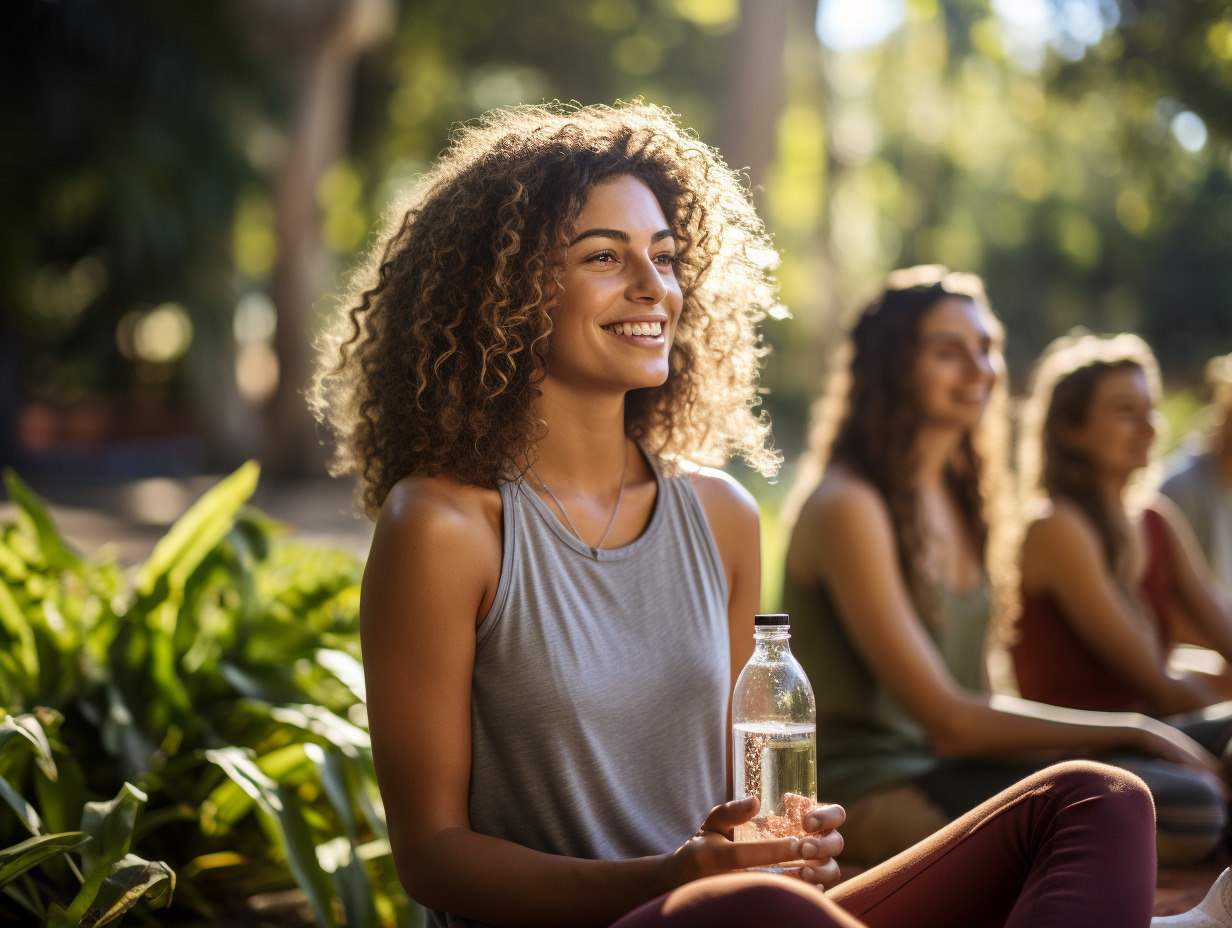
(888, 577)
(1111, 575)
(557, 330)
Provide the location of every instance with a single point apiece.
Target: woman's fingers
(722, 819)
(819, 847)
(822, 873)
(767, 853)
(825, 818)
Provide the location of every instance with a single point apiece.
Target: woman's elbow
(950, 732)
(411, 876)
(413, 864)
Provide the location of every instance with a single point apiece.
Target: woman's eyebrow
(620, 235)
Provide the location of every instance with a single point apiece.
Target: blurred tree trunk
(320, 42)
(753, 96)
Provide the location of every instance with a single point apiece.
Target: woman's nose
(647, 285)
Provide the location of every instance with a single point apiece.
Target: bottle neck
(771, 642)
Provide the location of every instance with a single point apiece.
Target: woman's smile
(646, 331)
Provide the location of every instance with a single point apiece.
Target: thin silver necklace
(594, 549)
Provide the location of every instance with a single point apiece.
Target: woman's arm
(845, 541)
(1061, 556)
(431, 576)
(1196, 592)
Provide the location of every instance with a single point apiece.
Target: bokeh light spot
(163, 334)
(1190, 131)
(255, 319)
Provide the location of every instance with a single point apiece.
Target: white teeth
(647, 329)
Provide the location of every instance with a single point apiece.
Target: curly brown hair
(1062, 387)
(868, 419)
(432, 364)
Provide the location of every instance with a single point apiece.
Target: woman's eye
(667, 259)
(603, 257)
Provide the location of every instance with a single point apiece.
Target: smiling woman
(556, 333)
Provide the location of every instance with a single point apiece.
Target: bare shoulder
(439, 508)
(1059, 546)
(435, 539)
(844, 502)
(843, 515)
(1063, 524)
(722, 497)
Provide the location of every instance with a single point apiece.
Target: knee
(750, 898)
(1078, 780)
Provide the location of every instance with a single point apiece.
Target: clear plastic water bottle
(774, 734)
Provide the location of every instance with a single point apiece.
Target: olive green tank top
(866, 740)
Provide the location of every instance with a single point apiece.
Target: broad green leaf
(346, 668)
(13, 621)
(325, 724)
(195, 533)
(110, 827)
(129, 880)
(283, 812)
(11, 564)
(111, 824)
(335, 779)
(57, 553)
(213, 861)
(61, 801)
(17, 802)
(19, 858)
(28, 727)
(228, 802)
(351, 883)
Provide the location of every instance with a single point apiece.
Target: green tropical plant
(216, 693)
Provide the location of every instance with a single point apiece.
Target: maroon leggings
(1071, 845)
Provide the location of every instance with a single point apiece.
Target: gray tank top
(600, 687)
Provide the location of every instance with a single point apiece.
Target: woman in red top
(1109, 584)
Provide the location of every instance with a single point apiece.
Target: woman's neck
(1111, 491)
(933, 450)
(584, 443)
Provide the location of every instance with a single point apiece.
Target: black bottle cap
(775, 618)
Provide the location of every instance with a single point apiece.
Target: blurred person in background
(897, 556)
(1111, 577)
(556, 600)
(1200, 481)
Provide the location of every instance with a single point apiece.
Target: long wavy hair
(433, 361)
(868, 419)
(1062, 387)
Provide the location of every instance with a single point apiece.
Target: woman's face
(614, 321)
(1118, 432)
(955, 366)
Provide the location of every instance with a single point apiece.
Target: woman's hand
(823, 845)
(711, 851)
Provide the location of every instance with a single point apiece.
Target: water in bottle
(774, 735)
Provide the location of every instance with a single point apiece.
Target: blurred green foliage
(206, 709)
(1087, 176)
(125, 151)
